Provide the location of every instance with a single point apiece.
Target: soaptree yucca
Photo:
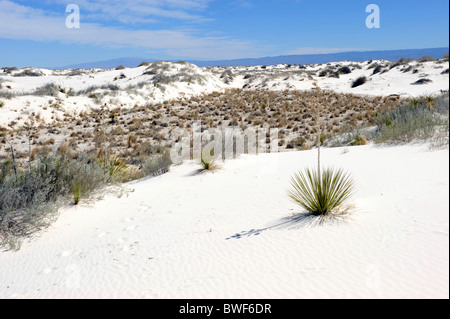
(321, 193)
(207, 160)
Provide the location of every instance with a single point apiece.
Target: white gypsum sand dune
(224, 234)
(162, 81)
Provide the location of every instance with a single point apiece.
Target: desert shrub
(296, 143)
(157, 164)
(48, 89)
(419, 119)
(115, 168)
(161, 78)
(321, 194)
(330, 72)
(378, 68)
(353, 135)
(76, 72)
(422, 81)
(207, 160)
(360, 140)
(89, 91)
(401, 61)
(8, 70)
(29, 199)
(359, 81)
(345, 70)
(7, 95)
(227, 76)
(425, 58)
(28, 73)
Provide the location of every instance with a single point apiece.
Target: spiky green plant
(79, 190)
(115, 167)
(207, 160)
(321, 193)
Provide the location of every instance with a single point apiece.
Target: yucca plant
(115, 167)
(321, 193)
(79, 190)
(207, 160)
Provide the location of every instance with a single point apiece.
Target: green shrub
(321, 194)
(157, 164)
(207, 160)
(360, 140)
(115, 168)
(426, 58)
(359, 81)
(422, 119)
(30, 199)
(28, 73)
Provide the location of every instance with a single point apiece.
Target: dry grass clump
(133, 132)
(423, 119)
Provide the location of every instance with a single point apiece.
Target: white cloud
(26, 23)
(142, 11)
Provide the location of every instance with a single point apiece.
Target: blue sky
(34, 33)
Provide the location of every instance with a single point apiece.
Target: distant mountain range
(391, 55)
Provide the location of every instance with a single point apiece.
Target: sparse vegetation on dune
(30, 196)
(422, 119)
(156, 124)
(126, 142)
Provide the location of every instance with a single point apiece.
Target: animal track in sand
(67, 253)
(47, 271)
(130, 228)
(143, 208)
(101, 235)
(127, 220)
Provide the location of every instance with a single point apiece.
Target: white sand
(277, 78)
(175, 235)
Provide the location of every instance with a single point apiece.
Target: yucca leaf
(321, 194)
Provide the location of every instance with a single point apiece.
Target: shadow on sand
(293, 222)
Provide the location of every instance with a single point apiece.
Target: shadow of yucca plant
(323, 193)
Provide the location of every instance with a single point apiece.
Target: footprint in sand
(101, 235)
(67, 253)
(47, 271)
(130, 228)
(127, 220)
(144, 208)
